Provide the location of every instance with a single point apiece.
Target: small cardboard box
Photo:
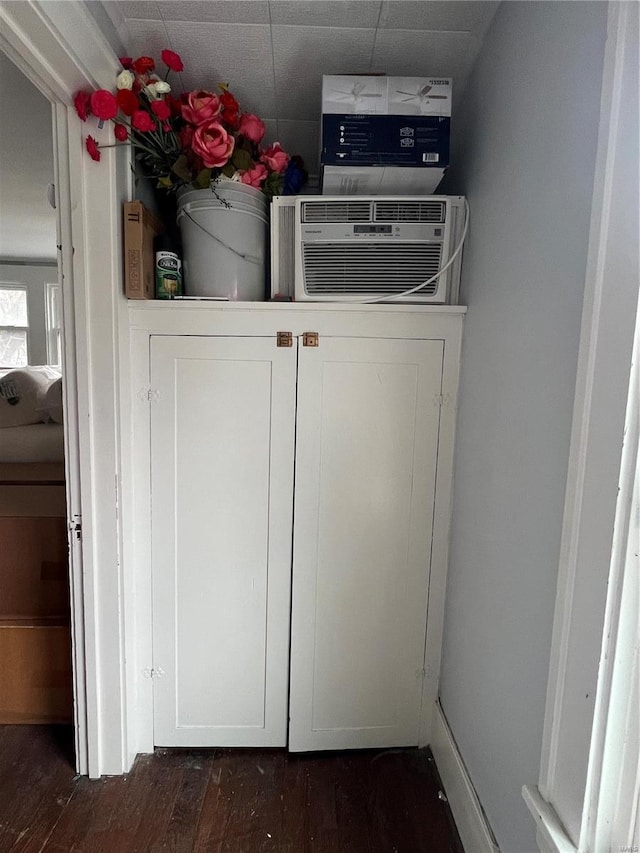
(140, 229)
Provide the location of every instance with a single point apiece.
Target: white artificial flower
(151, 91)
(162, 87)
(124, 80)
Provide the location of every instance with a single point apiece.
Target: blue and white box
(384, 135)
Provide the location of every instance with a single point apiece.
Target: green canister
(168, 272)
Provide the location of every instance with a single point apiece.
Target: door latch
(284, 339)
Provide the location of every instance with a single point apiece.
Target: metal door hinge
(148, 395)
(441, 400)
(153, 672)
(75, 526)
(284, 339)
(310, 339)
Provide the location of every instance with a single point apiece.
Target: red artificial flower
(141, 120)
(186, 136)
(230, 110)
(82, 103)
(126, 62)
(128, 101)
(172, 60)
(166, 127)
(175, 105)
(92, 148)
(104, 105)
(120, 133)
(161, 109)
(144, 64)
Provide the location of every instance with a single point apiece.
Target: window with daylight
(14, 326)
(53, 309)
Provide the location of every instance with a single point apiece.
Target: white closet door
(367, 436)
(222, 444)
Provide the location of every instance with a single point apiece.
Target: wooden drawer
(34, 576)
(35, 662)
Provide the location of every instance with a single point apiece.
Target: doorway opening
(36, 686)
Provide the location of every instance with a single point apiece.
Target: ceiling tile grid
(273, 53)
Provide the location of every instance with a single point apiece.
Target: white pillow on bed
(22, 398)
(53, 401)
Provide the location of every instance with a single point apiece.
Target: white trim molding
(471, 821)
(60, 48)
(576, 704)
(550, 833)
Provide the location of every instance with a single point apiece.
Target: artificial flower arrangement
(195, 139)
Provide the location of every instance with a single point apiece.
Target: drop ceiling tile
(216, 11)
(470, 15)
(145, 10)
(111, 7)
(303, 138)
(419, 53)
(326, 13)
(303, 54)
(237, 54)
(146, 38)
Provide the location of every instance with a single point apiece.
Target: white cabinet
(298, 515)
(222, 439)
(366, 453)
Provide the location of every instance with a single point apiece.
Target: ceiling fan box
(388, 134)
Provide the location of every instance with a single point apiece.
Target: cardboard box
(34, 580)
(35, 662)
(373, 127)
(141, 227)
(380, 180)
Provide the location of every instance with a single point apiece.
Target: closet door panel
(222, 427)
(367, 435)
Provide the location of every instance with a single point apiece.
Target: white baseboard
(475, 833)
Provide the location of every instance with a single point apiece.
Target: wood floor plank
(220, 801)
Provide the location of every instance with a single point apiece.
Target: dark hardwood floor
(222, 800)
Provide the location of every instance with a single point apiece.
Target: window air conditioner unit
(358, 248)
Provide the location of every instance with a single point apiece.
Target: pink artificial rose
(213, 144)
(254, 177)
(201, 107)
(275, 158)
(252, 127)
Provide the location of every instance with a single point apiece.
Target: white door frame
(597, 499)
(60, 49)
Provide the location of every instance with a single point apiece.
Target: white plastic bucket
(224, 233)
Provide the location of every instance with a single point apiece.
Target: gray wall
(528, 131)
(27, 221)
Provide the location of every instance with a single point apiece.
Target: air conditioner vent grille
(410, 211)
(344, 269)
(336, 211)
(286, 265)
